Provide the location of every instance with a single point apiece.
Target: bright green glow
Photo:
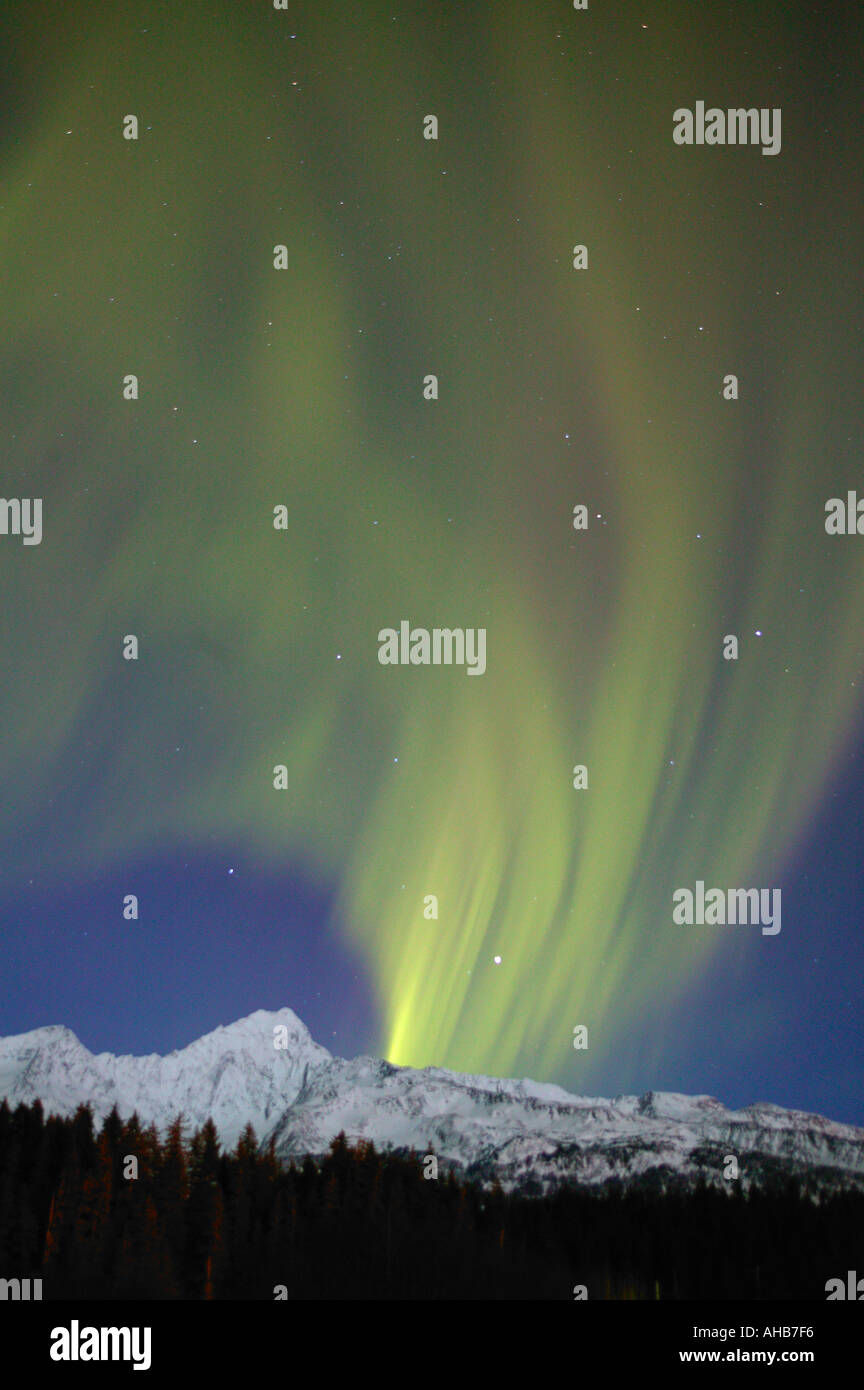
(603, 649)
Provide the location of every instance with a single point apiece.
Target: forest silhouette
(198, 1222)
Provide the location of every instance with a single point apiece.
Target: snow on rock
(234, 1075)
(520, 1131)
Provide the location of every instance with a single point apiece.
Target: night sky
(303, 388)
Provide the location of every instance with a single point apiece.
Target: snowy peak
(260, 1034)
(244, 1073)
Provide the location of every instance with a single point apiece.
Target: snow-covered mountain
(234, 1075)
(525, 1133)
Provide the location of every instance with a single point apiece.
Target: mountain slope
(524, 1133)
(234, 1075)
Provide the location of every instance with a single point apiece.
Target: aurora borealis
(302, 388)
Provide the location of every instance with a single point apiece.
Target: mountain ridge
(528, 1135)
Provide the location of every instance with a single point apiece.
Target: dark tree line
(200, 1223)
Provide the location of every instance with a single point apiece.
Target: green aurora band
(303, 387)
